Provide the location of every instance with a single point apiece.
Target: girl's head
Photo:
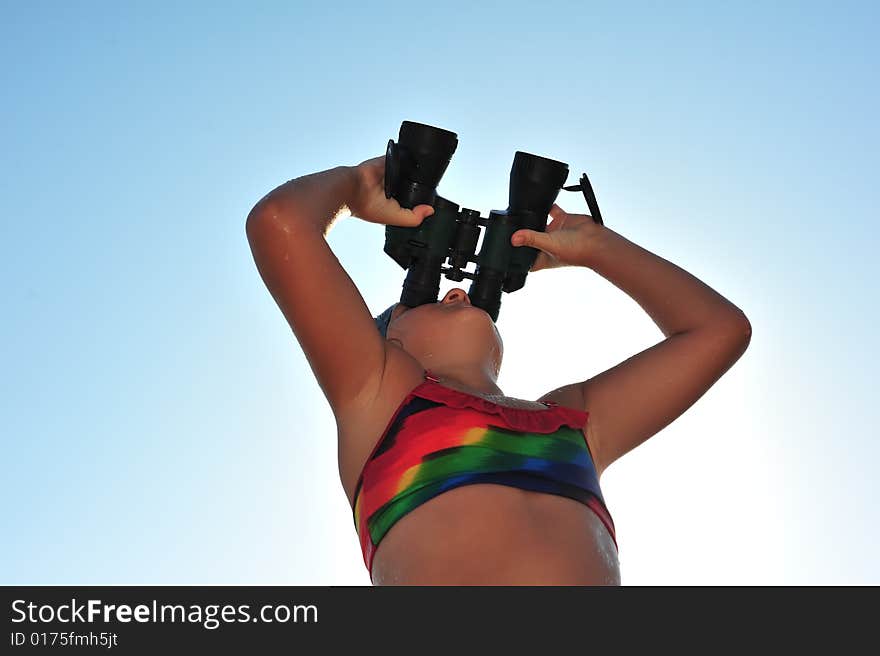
(450, 334)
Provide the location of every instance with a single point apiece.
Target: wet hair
(383, 320)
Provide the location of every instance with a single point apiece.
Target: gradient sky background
(161, 424)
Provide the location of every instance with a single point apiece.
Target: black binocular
(413, 168)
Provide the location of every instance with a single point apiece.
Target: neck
(474, 381)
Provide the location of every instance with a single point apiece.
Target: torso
(482, 533)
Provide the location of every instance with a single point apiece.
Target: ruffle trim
(520, 419)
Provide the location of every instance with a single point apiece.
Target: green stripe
(497, 450)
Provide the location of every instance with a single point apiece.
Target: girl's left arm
(705, 335)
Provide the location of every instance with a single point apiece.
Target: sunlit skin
(484, 533)
(471, 361)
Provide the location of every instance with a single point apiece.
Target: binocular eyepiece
(413, 169)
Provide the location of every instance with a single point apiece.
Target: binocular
(413, 168)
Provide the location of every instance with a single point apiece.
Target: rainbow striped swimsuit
(441, 438)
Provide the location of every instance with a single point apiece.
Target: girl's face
(450, 331)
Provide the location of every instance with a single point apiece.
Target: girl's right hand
(564, 241)
(370, 204)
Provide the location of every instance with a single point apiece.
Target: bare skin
(483, 534)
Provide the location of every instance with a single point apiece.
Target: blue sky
(161, 424)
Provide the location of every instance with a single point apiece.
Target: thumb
(422, 212)
(533, 238)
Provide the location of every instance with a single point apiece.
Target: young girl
(450, 480)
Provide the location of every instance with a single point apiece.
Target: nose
(456, 295)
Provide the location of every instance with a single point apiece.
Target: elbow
(743, 325)
(271, 219)
(747, 328)
(256, 216)
(738, 326)
(744, 334)
(262, 222)
(251, 227)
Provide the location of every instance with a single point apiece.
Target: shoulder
(569, 396)
(361, 425)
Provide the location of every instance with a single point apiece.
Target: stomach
(489, 534)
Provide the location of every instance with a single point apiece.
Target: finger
(423, 211)
(557, 212)
(533, 238)
(541, 262)
(415, 216)
(554, 225)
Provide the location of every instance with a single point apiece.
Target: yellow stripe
(470, 436)
(407, 478)
(473, 435)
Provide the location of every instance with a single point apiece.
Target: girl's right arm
(287, 232)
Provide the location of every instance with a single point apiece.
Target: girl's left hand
(369, 202)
